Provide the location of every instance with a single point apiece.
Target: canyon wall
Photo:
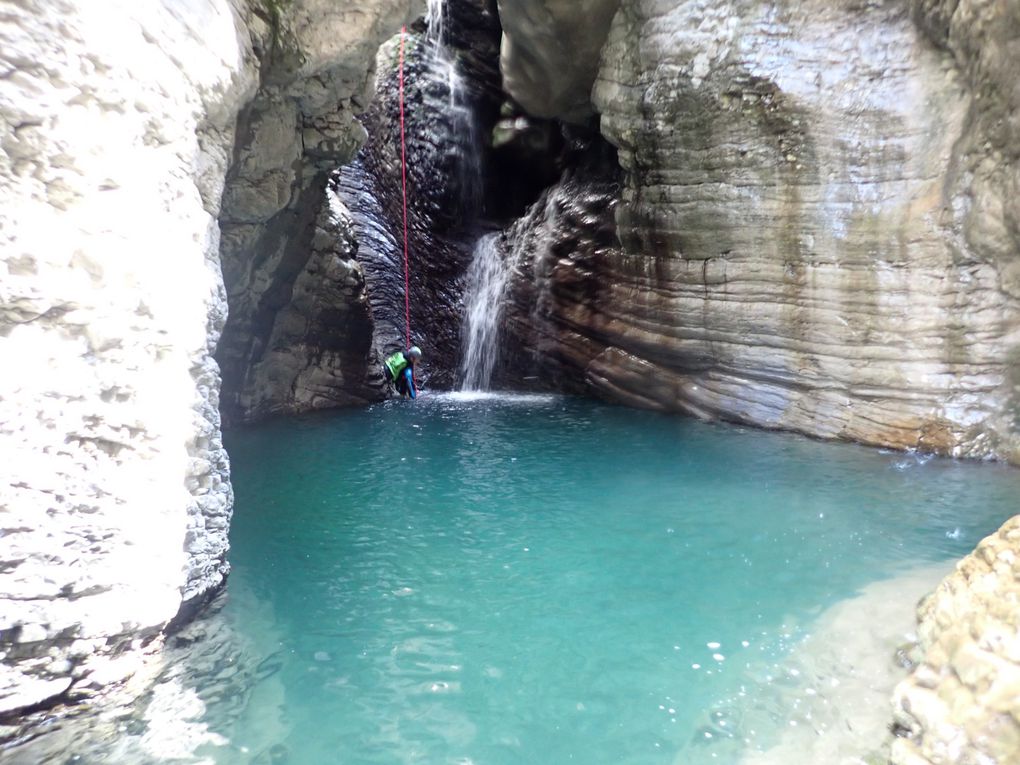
(452, 97)
(550, 52)
(962, 704)
(117, 130)
(816, 227)
(294, 340)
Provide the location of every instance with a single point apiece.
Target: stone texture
(452, 99)
(301, 126)
(117, 128)
(962, 704)
(550, 53)
(817, 230)
(187, 692)
(318, 344)
(115, 500)
(800, 246)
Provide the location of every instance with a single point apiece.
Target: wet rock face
(962, 703)
(815, 235)
(281, 351)
(563, 254)
(451, 101)
(550, 53)
(116, 134)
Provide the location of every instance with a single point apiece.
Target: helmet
(414, 352)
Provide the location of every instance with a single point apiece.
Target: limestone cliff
(962, 703)
(550, 53)
(816, 227)
(281, 350)
(117, 129)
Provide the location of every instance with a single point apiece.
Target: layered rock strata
(116, 134)
(962, 705)
(806, 240)
(452, 98)
(817, 231)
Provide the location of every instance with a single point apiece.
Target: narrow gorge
(792, 217)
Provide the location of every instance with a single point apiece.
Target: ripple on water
(520, 579)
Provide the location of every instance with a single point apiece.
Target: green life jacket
(396, 364)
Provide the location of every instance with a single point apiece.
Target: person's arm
(409, 376)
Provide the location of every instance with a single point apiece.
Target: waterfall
(484, 299)
(434, 22)
(463, 129)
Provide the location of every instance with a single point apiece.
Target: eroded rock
(452, 98)
(962, 704)
(117, 128)
(550, 53)
(317, 63)
(798, 245)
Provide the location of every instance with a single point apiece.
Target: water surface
(495, 580)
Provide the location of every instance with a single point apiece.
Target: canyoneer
(399, 370)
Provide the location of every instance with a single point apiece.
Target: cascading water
(484, 298)
(463, 130)
(435, 10)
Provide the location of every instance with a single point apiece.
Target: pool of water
(495, 580)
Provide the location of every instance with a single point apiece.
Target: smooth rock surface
(550, 53)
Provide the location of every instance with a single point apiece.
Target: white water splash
(487, 279)
(499, 397)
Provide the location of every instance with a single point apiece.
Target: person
(399, 370)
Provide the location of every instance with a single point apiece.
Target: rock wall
(117, 129)
(452, 98)
(301, 126)
(814, 232)
(817, 230)
(550, 53)
(962, 703)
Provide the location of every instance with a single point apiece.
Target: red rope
(403, 176)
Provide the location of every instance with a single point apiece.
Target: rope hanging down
(403, 178)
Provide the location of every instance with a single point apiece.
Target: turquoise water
(548, 580)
